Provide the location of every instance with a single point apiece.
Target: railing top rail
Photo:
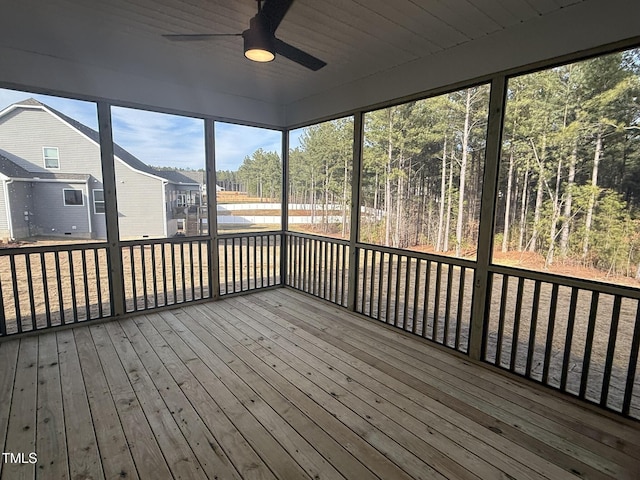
(592, 285)
(313, 236)
(156, 241)
(422, 255)
(51, 248)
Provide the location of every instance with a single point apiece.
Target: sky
(160, 139)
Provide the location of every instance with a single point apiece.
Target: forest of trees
(569, 184)
(570, 172)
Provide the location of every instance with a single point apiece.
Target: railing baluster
(163, 255)
(174, 273)
(72, 278)
(191, 272)
(143, 260)
(32, 302)
(233, 263)
(633, 364)
(332, 271)
(425, 303)
(586, 363)
(389, 277)
(292, 245)
(241, 264)
(501, 319)
(3, 316)
(325, 256)
(534, 322)
(225, 248)
(314, 267)
(380, 285)
(343, 290)
(364, 252)
(613, 335)
(447, 306)
(569, 339)
(416, 296)
(516, 324)
(269, 261)
(371, 281)
(264, 261)
(461, 290)
(85, 277)
(436, 302)
(133, 277)
(183, 272)
(407, 289)
(45, 290)
(396, 304)
(154, 276)
(96, 259)
(59, 286)
(550, 330)
(201, 245)
(16, 296)
(255, 262)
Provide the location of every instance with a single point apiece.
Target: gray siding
(141, 209)
(21, 201)
(51, 217)
(24, 132)
(4, 223)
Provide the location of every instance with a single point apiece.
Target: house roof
(11, 169)
(121, 153)
(183, 176)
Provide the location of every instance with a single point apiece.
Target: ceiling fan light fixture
(258, 42)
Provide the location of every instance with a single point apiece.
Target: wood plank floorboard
(279, 385)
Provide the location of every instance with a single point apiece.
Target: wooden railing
(319, 266)
(43, 287)
(575, 336)
(418, 293)
(158, 273)
(579, 337)
(248, 261)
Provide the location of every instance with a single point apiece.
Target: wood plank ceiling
(357, 38)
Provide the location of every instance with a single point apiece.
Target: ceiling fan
(260, 42)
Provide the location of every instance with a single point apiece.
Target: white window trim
(74, 190)
(44, 158)
(99, 201)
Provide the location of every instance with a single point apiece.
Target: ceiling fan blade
(274, 11)
(196, 37)
(298, 56)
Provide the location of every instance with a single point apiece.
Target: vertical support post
(487, 215)
(212, 208)
(358, 135)
(114, 249)
(285, 209)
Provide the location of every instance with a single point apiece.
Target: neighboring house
(51, 182)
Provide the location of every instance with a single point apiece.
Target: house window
(98, 201)
(73, 197)
(182, 200)
(51, 157)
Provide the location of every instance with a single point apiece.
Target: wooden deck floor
(280, 385)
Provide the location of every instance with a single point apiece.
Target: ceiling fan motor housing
(259, 40)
